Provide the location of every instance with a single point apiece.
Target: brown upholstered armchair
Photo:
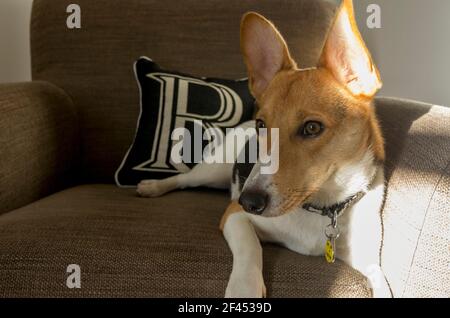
(63, 135)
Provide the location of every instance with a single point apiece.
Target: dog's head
(328, 131)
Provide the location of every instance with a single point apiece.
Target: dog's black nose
(253, 202)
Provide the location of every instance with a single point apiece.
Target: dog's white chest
(300, 231)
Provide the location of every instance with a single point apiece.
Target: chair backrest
(416, 215)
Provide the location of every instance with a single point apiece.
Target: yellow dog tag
(329, 251)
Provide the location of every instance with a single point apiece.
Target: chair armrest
(416, 212)
(39, 142)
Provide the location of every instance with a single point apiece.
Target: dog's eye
(311, 129)
(260, 124)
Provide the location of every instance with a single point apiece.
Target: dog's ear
(347, 57)
(265, 51)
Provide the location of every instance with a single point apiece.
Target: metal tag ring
(332, 232)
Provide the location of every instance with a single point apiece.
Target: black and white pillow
(172, 100)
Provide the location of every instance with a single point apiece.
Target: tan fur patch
(233, 207)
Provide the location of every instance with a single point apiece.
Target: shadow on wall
(396, 118)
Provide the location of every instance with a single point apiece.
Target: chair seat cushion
(128, 246)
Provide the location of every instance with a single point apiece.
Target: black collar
(335, 209)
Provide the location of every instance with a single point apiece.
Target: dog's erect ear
(347, 57)
(265, 51)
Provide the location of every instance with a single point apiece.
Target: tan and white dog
(331, 155)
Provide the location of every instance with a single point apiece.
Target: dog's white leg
(213, 175)
(377, 282)
(156, 188)
(367, 236)
(375, 277)
(210, 175)
(246, 280)
(366, 261)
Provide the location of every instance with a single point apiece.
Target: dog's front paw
(151, 188)
(246, 284)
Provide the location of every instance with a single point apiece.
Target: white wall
(14, 40)
(412, 49)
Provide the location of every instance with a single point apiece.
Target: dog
(326, 197)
